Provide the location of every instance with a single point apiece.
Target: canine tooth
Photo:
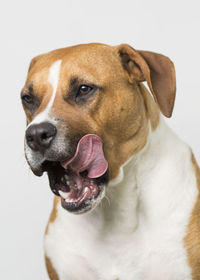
(86, 189)
(63, 194)
(69, 200)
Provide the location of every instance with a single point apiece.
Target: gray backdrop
(28, 28)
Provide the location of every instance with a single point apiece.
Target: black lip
(55, 174)
(37, 172)
(73, 207)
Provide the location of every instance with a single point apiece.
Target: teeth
(69, 200)
(86, 189)
(67, 182)
(63, 194)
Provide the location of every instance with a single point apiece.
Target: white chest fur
(137, 232)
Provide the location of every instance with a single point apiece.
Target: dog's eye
(30, 102)
(27, 98)
(84, 90)
(80, 93)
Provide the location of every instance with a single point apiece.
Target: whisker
(108, 200)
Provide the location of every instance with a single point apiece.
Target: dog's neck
(137, 193)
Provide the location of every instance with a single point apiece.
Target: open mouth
(80, 181)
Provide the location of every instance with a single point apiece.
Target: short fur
(147, 226)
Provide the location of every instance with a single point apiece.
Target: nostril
(48, 134)
(46, 139)
(44, 136)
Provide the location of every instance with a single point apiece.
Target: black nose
(40, 136)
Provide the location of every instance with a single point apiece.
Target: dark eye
(27, 98)
(84, 90)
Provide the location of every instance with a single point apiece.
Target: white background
(28, 28)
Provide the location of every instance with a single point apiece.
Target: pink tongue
(89, 156)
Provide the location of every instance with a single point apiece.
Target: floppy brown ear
(157, 70)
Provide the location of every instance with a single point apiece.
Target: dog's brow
(73, 81)
(73, 85)
(28, 89)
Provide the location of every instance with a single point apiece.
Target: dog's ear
(156, 69)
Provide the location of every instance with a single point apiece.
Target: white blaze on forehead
(53, 79)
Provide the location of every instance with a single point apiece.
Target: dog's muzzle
(76, 172)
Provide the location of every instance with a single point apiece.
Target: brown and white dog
(98, 133)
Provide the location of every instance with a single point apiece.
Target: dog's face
(86, 116)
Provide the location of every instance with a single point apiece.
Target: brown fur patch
(53, 212)
(51, 271)
(192, 239)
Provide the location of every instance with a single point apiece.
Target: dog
(127, 203)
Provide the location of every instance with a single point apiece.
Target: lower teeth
(63, 194)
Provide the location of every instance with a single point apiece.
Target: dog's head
(88, 112)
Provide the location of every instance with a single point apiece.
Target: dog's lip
(38, 171)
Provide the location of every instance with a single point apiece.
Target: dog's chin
(79, 194)
(85, 205)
